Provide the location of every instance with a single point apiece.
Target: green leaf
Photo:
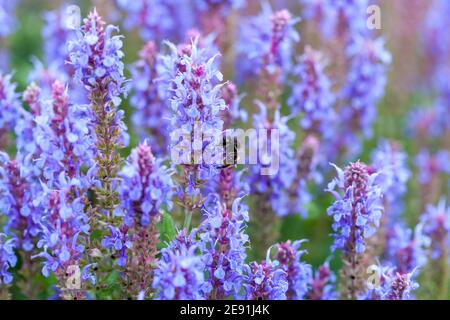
(167, 230)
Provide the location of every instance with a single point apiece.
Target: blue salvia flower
(401, 286)
(312, 96)
(65, 229)
(63, 137)
(266, 43)
(8, 24)
(44, 75)
(180, 273)
(118, 240)
(96, 56)
(223, 244)
(389, 159)
(337, 18)
(276, 184)
(364, 88)
(9, 107)
(429, 166)
(307, 159)
(435, 43)
(357, 209)
(323, 284)
(436, 225)
(391, 285)
(8, 258)
(298, 273)
(223, 5)
(406, 249)
(195, 105)
(146, 186)
(213, 13)
(56, 34)
(265, 281)
(151, 113)
(156, 19)
(427, 123)
(16, 202)
(7, 17)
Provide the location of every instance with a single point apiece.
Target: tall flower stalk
(356, 213)
(145, 190)
(195, 104)
(97, 59)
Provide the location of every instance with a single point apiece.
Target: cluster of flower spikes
(298, 273)
(65, 149)
(222, 243)
(271, 157)
(156, 19)
(356, 215)
(266, 43)
(180, 272)
(146, 187)
(9, 107)
(96, 57)
(312, 95)
(195, 104)
(150, 109)
(8, 258)
(389, 159)
(265, 281)
(406, 249)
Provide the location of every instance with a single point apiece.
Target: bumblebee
(230, 160)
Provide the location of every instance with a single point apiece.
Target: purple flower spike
(17, 204)
(298, 273)
(265, 281)
(407, 249)
(97, 59)
(8, 259)
(322, 285)
(356, 216)
(223, 244)
(357, 209)
(151, 112)
(312, 96)
(180, 274)
(436, 225)
(266, 43)
(9, 107)
(391, 161)
(146, 187)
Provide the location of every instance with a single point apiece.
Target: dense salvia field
(110, 111)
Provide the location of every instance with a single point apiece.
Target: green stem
(187, 219)
(444, 273)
